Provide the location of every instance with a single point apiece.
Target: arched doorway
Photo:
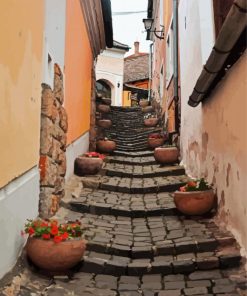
(103, 88)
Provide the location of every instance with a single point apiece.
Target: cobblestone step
(138, 171)
(132, 149)
(143, 161)
(143, 186)
(134, 154)
(135, 206)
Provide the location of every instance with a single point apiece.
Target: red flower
(192, 184)
(46, 236)
(65, 235)
(54, 230)
(44, 224)
(31, 231)
(57, 239)
(182, 189)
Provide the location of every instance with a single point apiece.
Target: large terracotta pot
(194, 202)
(106, 146)
(106, 101)
(103, 108)
(87, 165)
(105, 123)
(143, 103)
(147, 109)
(153, 143)
(165, 155)
(151, 122)
(55, 257)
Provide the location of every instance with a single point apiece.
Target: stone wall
(54, 126)
(92, 133)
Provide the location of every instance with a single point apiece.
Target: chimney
(136, 44)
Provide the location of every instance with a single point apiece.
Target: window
(103, 88)
(161, 86)
(169, 55)
(161, 13)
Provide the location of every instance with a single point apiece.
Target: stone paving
(138, 244)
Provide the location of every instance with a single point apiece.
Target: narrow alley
(123, 163)
(138, 243)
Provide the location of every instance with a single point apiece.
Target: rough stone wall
(93, 132)
(54, 126)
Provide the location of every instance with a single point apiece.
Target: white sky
(129, 28)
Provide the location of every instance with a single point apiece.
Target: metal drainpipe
(150, 70)
(175, 60)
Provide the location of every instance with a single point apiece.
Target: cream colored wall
(21, 32)
(213, 135)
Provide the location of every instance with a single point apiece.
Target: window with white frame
(169, 55)
(161, 86)
(161, 13)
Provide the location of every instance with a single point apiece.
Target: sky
(129, 28)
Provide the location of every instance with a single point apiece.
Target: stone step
(104, 202)
(143, 161)
(138, 171)
(142, 186)
(145, 153)
(133, 149)
(207, 264)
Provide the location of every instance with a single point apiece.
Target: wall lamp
(148, 25)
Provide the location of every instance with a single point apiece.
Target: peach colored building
(48, 51)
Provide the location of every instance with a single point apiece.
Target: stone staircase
(138, 243)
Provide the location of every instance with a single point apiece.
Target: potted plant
(143, 103)
(195, 198)
(147, 109)
(54, 247)
(103, 108)
(150, 121)
(89, 163)
(104, 123)
(106, 101)
(106, 145)
(156, 140)
(167, 154)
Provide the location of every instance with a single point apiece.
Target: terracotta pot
(106, 146)
(143, 103)
(147, 109)
(165, 155)
(153, 143)
(106, 101)
(55, 257)
(151, 122)
(87, 165)
(195, 202)
(103, 108)
(105, 123)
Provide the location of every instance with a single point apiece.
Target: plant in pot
(143, 103)
(150, 120)
(54, 247)
(104, 123)
(106, 101)
(103, 108)
(166, 155)
(156, 140)
(106, 145)
(89, 163)
(195, 198)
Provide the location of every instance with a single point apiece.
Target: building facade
(47, 82)
(110, 71)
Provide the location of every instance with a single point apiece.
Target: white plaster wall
(54, 35)
(196, 39)
(110, 67)
(75, 149)
(19, 201)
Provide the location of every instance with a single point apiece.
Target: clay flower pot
(151, 122)
(165, 155)
(147, 109)
(106, 101)
(143, 103)
(106, 146)
(194, 202)
(153, 143)
(105, 123)
(55, 257)
(103, 108)
(87, 165)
